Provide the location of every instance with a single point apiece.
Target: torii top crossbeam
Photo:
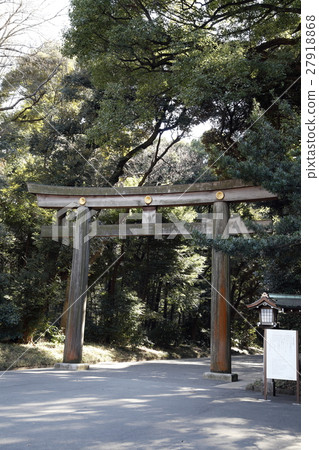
(134, 197)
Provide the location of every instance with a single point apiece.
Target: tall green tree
(170, 65)
(33, 270)
(166, 66)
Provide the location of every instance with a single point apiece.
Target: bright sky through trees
(53, 18)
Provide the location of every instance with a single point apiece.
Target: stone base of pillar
(73, 366)
(218, 376)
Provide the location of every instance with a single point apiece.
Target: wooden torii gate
(149, 198)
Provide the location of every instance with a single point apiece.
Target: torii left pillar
(74, 337)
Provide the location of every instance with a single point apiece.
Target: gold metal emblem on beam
(148, 199)
(220, 195)
(82, 201)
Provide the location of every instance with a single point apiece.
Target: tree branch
(157, 157)
(277, 42)
(31, 96)
(119, 170)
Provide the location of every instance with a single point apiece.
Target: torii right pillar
(220, 365)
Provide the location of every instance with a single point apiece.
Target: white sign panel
(281, 354)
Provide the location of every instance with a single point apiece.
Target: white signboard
(280, 354)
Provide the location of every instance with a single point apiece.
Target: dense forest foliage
(116, 106)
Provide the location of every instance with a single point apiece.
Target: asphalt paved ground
(144, 405)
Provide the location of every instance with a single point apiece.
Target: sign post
(281, 358)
